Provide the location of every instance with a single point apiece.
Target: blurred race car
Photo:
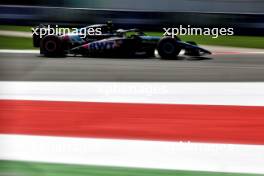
(115, 43)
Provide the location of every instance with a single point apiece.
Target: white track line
(134, 153)
(247, 94)
(15, 34)
(238, 53)
(19, 51)
(227, 49)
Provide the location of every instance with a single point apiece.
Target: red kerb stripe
(196, 123)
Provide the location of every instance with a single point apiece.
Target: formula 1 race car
(115, 43)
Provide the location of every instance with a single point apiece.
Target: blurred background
(245, 16)
(238, 6)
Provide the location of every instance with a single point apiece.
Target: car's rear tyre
(168, 48)
(51, 46)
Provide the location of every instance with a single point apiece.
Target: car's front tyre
(168, 48)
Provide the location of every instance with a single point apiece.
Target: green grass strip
(45, 169)
(15, 28)
(7, 42)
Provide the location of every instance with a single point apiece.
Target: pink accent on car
(86, 46)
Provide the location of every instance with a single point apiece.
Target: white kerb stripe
(134, 153)
(248, 94)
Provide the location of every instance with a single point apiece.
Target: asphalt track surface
(222, 66)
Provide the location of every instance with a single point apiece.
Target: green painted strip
(16, 43)
(15, 28)
(41, 169)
